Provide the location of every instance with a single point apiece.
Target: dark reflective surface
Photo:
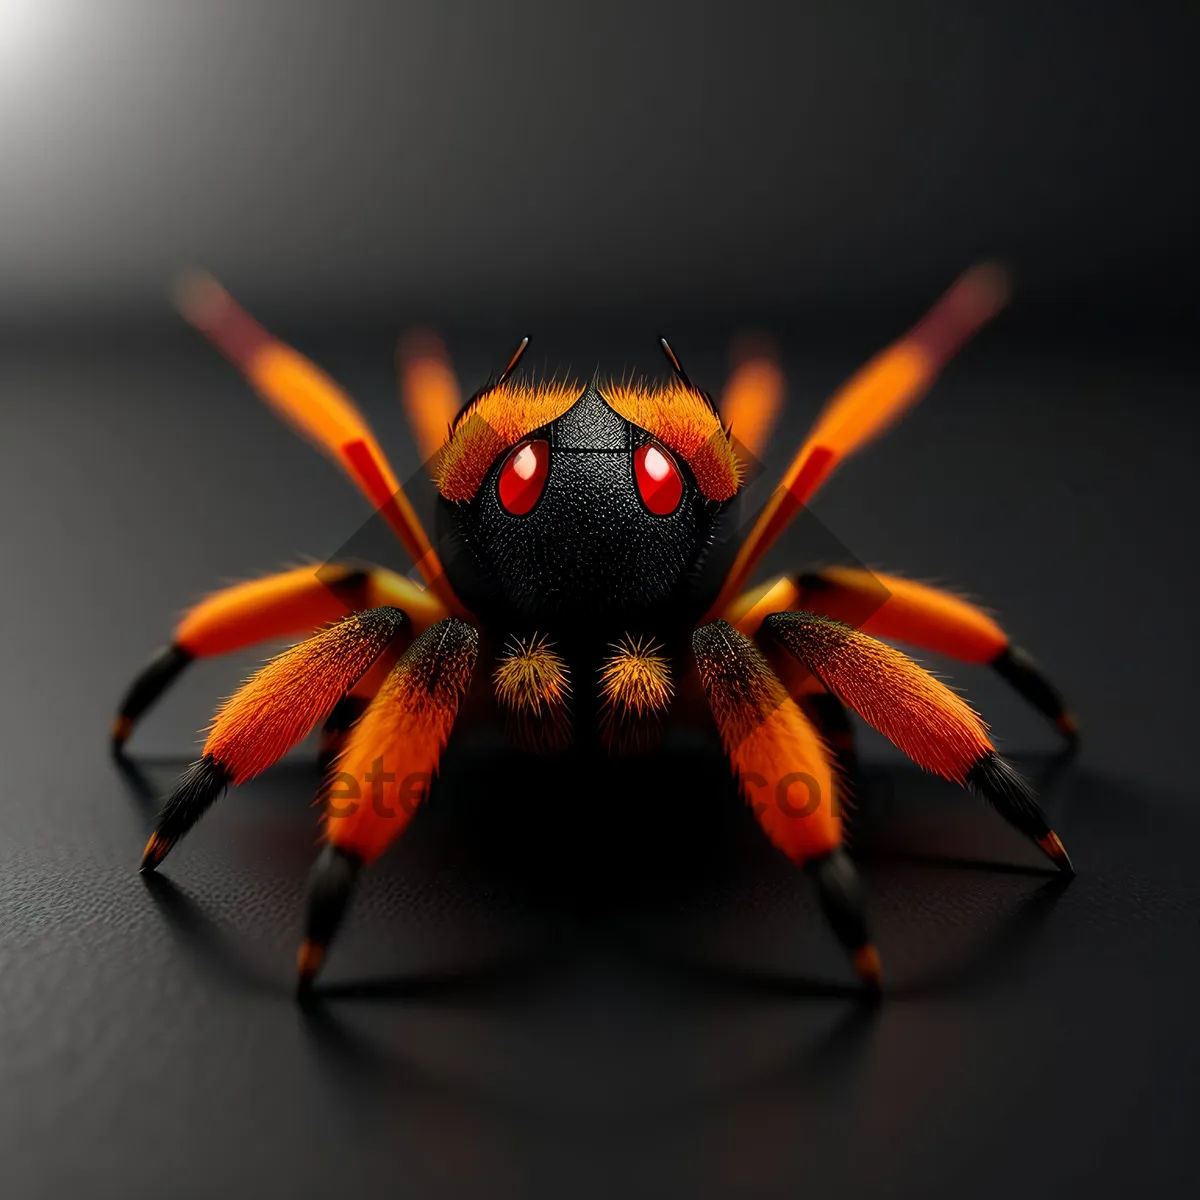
(609, 985)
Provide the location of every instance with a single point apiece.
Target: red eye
(658, 479)
(523, 476)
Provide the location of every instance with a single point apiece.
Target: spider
(592, 580)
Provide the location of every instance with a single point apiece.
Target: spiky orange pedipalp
(636, 676)
(533, 688)
(636, 691)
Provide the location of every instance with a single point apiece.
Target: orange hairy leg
(354, 703)
(785, 775)
(868, 404)
(385, 770)
(271, 712)
(934, 726)
(290, 604)
(751, 398)
(429, 389)
(887, 606)
(310, 401)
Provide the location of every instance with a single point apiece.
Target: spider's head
(605, 506)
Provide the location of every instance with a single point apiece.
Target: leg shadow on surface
(744, 980)
(1015, 934)
(1014, 938)
(145, 792)
(224, 963)
(212, 950)
(488, 979)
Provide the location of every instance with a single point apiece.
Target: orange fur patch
(392, 754)
(934, 726)
(496, 421)
(637, 677)
(682, 419)
(777, 755)
(676, 415)
(280, 704)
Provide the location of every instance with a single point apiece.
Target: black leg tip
(840, 895)
(122, 727)
(157, 848)
(194, 792)
(1051, 845)
(1023, 674)
(998, 782)
(330, 886)
(154, 679)
(308, 962)
(1068, 728)
(869, 970)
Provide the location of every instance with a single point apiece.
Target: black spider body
(585, 578)
(590, 562)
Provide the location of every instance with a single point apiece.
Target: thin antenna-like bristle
(512, 362)
(676, 365)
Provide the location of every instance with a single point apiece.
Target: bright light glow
(18, 21)
(25, 28)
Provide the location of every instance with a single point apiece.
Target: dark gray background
(605, 985)
(337, 159)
